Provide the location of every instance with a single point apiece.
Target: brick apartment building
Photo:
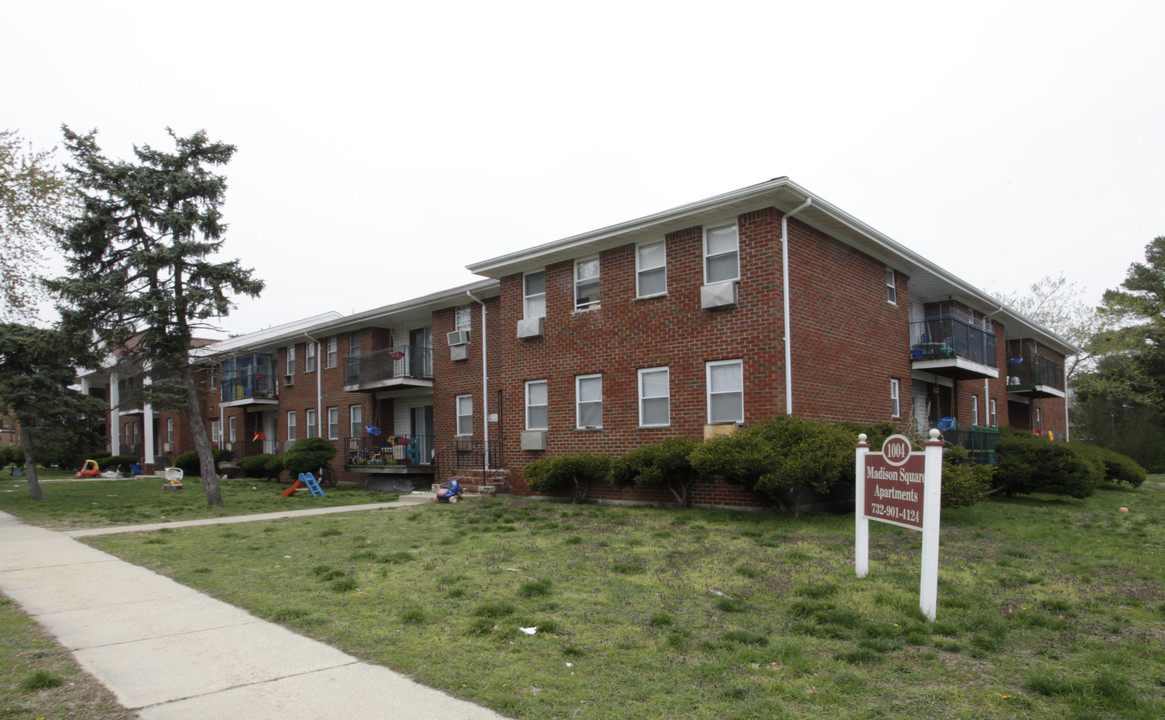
(693, 321)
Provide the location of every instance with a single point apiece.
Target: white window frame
(309, 357)
(354, 343)
(641, 270)
(974, 410)
(708, 257)
(584, 384)
(356, 421)
(333, 352)
(533, 304)
(463, 411)
(333, 423)
(712, 392)
(290, 360)
(895, 398)
(213, 378)
(313, 427)
(170, 431)
(291, 425)
(993, 416)
(463, 317)
(581, 282)
(216, 432)
(891, 287)
(644, 398)
(544, 405)
(232, 428)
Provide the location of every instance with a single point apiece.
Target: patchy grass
(40, 679)
(136, 501)
(1048, 607)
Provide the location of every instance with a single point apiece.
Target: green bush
(190, 465)
(566, 472)
(273, 468)
(254, 466)
(1118, 468)
(664, 463)
(124, 461)
(964, 482)
(308, 455)
(1030, 463)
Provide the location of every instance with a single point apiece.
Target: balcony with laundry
(1031, 372)
(400, 366)
(249, 380)
(954, 341)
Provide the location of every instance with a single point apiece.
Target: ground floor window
(464, 414)
(725, 391)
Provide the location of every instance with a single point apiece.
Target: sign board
(900, 487)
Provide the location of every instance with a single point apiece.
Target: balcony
(951, 346)
(389, 454)
(249, 389)
(1035, 376)
(403, 366)
(250, 448)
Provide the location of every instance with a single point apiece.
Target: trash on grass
(529, 630)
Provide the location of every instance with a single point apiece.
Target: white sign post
(901, 487)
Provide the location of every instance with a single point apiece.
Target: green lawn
(1048, 607)
(101, 503)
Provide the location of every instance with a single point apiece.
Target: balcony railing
(402, 361)
(1035, 370)
(979, 441)
(247, 387)
(250, 448)
(948, 337)
(388, 450)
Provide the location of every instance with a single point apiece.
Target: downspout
(787, 310)
(484, 381)
(319, 387)
(987, 381)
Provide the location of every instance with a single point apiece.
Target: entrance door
(421, 420)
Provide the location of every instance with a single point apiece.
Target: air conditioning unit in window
(530, 327)
(717, 295)
(459, 352)
(533, 439)
(458, 337)
(288, 380)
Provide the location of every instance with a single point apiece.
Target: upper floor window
(290, 359)
(354, 343)
(721, 254)
(725, 391)
(464, 407)
(588, 401)
(651, 269)
(891, 287)
(534, 294)
(232, 429)
(213, 378)
(537, 405)
(586, 283)
(895, 399)
(309, 359)
(290, 424)
(654, 397)
(333, 351)
(462, 318)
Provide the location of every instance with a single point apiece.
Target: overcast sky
(384, 146)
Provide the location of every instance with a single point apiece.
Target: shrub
(309, 455)
(664, 463)
(1028, 464)
(964, 482)
(112, 461)
(254, 466)
(567, 472)
(1118, 468)
(273, 468)
(190, 465)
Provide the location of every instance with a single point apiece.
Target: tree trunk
(201, 439)
(30, 463)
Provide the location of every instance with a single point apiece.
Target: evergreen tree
(141, 269)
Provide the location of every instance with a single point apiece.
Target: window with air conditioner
(586, 283)
(721, 254)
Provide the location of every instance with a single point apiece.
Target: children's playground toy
(89, 470)
(306, 480)
(449, 492)
(173, 479)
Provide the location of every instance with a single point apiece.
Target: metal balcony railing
(250, 448)
(248, 386)
(1035, 370)
(385, 450)
(947, 336)
(402, 361)
(979, 441)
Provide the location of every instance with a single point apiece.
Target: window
(537, 405)
(213, 378)
(215, 432)
(721, 254)
(356, 421)
(974, 409)
(1039, 421)
(725, 391)
(534, 294)
(588, 393)
(586, 283)
(651, 269)
(333, 351)
(290, 424)
(464, 414)
(354, 342)
(309, 357)
(891, 287)
(333, 423)
(291, 360)
(994, 417)
(654, 397)
(895, 402)
(231, 429)
(170, 430)
(462, 318)
(313, 428)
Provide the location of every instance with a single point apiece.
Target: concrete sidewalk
(171, 653)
